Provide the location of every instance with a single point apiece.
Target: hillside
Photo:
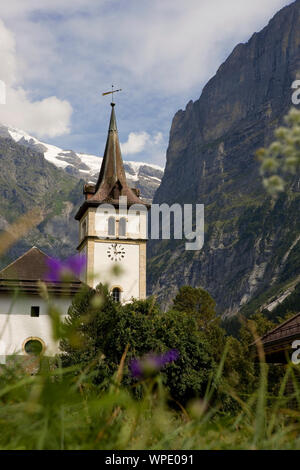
(24, 186)
(252, 244)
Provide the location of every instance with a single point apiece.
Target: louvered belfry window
(122, 227)
(111, 226)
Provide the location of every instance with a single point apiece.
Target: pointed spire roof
(112, 181)
(112, 168)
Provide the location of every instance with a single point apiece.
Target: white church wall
(128, 278)
(17, 325)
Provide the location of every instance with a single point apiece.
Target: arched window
(122, 227)
(116, 294)
(33, 346)
(111, 226)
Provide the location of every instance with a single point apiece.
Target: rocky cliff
(252, 247)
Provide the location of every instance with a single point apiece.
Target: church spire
(112, 181)
(112, 168)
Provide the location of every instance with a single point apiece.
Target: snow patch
(55, 155)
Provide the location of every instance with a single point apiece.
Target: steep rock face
(210, 160)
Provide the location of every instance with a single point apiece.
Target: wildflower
(65, 270)
(151, 364)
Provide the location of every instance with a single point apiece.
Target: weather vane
(111, 92)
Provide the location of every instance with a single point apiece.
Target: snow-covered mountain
(141, 175)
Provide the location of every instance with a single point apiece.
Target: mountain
(144, 176)
(36, 174)
(27, 181)
(251, 253)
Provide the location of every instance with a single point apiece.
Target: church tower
(113, 227)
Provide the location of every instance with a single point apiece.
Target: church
(112, 241)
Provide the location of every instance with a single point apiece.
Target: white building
(25, 323)
(113, 237)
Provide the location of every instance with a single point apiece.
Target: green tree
(98, 330)
(198, 302)
(189, 375)
(238, 373)
(87, 331)
(256, 326)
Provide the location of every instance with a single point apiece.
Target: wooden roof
(32, 265)
(278, 342)
(25, 274)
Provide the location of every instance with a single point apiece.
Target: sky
(58, 56)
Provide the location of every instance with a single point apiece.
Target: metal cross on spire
(111, 92)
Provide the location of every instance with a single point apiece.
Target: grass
(57, 409)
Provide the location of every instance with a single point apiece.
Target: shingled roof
(112, 181)
(32, 265)
(278, 342)
(25, 273)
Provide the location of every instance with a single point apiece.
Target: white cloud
(169, 45)
(49, 117)
(7, 55)
(135, 143)
(16, 8)
(166, 45)
(158, 138)
(160, 53)
(140, 141)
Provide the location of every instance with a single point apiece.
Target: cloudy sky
(58, 56)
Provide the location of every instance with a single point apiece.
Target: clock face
(115, 252)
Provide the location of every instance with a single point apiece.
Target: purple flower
(64, 270)
(136, 368)
(151, 363)
(76, 264)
